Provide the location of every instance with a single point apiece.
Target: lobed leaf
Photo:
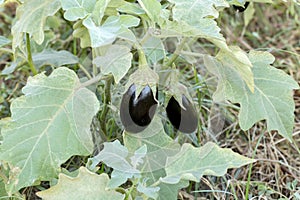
(192, 163)
(86, 185)
(31, 18)
(117, 61)
(271, 100)
(50, 123)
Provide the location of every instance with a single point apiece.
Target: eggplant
(137, 113)
(184, 120)
(241, 8)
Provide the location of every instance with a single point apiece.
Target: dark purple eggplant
(241, 8)
(184, 120)
(137, 113)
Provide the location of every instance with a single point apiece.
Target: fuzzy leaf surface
(87, 185)
(50, 123)
(192, 163)
(272, 98)
(31, 18)
(54, 58)
(116, 61)
(195, 18)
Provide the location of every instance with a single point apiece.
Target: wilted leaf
(54, 58)
(86, 185)
(31, 18)
(272, 98)
(117, 61)
(192, 163)
(50, 123)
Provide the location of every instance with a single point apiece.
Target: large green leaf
(54, 58)
(236, 58)
(195, 18)
(86, 185)
(50, 123)
(272, 98)
(192, 163)
(159, 147)
(117, 61)
(31, 18)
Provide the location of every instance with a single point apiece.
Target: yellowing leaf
(50, 123)
(85, 186)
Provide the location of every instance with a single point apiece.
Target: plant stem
(92, 80)
(142, 58)
(29, 56)
(107, 100)
(177, 52)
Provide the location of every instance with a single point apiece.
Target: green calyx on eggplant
(137, 112)
(184, 120)
(241, 8)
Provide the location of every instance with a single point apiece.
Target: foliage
(68, 106)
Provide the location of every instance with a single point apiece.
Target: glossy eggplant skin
(240, 8)
(137, 113)
(184, 120)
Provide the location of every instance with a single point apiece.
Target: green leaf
(151, 192)
(152, 8)
(159, 147)
(4, 41)
(272, 99)
(236, 58)
(249, 14)
(114, 155)
(54, 58)
(195, 18)
(31, 18)
(86, 185)
(100, 35)
(50, 123)
(192, 163)
(131, 8)
(117, 61)
(117, 157)
(170, 191)
(154, 50)
(77, 9)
